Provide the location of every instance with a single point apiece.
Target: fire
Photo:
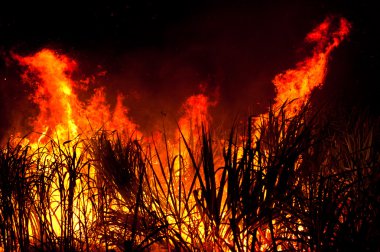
(196, 115)
(61, 113)
(65, 119)
(53, 92)
(296, 85)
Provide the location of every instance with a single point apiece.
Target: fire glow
(67, 126)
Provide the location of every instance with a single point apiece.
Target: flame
(61, 113)
(196, 115)
(63, 117)
(53, 94)
(295, 85)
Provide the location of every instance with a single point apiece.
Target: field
(306, 183)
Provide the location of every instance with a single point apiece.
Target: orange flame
(63, 117)
(196, 115)
(54, 94)
(297, 84)
(61, 113)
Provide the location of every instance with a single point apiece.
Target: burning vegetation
(86, 178)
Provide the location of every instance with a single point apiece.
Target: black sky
(158, 52)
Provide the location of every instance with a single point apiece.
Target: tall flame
(61, 113)
(54, 94)
(295, 85)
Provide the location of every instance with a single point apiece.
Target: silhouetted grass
(305, 183)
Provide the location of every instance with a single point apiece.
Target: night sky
(159, 52)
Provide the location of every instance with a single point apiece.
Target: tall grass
(304, 183)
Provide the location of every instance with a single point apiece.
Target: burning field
(80, 174)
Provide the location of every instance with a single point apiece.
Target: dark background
(159, 52)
